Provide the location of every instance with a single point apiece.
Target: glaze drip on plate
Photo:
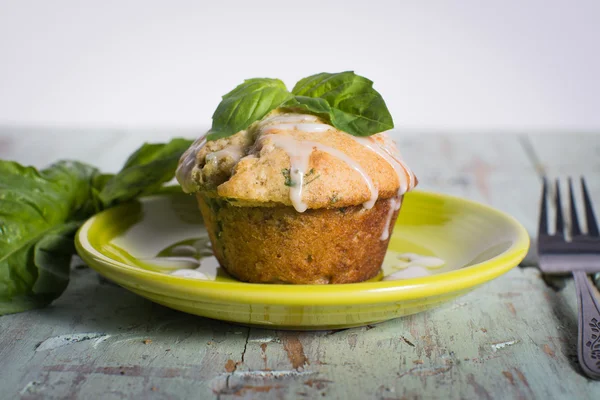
(191, 258)
(412, 265)
(207, 269)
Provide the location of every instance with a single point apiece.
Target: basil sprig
(40, 212)
(345, 100)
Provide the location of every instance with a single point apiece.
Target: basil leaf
(40, 212)
(50, 259)
(355, 107)
(37, 210)
(145, 171)
(247, 103)
(309, 105)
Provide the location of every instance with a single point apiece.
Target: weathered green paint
(511, 338)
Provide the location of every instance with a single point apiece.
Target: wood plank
(105, 149)
(40, 147)
(570, 154)
(507, 339)
(494, 170)
(502, 341)
(137, 348)
(113, 160)
(510, 338)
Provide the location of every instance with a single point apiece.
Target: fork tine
(560, 224)
(575, 228)
(543, 224)
(592, 225)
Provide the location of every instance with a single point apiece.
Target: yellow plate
(137, 245)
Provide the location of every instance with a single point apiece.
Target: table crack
(245, 345)
(242, 360)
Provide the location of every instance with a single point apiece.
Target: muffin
(293, 199)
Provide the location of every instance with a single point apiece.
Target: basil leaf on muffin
(309, 105)
(247, 103)
(355, 107)
(345, 100)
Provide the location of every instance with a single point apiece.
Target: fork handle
(588, 343)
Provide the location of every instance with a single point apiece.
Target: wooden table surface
(514, 337)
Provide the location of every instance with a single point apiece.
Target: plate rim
(462, 279)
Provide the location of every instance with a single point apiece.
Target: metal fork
(578, 253)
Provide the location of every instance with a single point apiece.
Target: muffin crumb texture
(277, 245)
(292, 153)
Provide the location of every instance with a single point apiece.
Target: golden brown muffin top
(296, 160)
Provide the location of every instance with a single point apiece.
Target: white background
(476, 66)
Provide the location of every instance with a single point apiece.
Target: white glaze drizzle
(395, 204)
(406, 178)
(398, 158)
(235, 152)
(290, 118)
(301, 127)
(299, 152)
(187, 162)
